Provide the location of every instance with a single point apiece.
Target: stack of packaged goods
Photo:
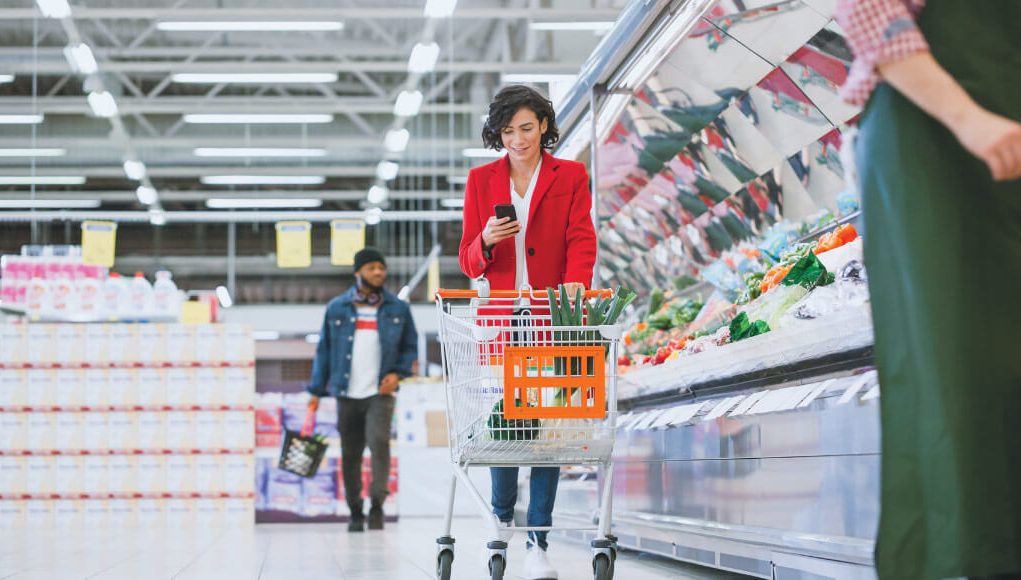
(125, 424)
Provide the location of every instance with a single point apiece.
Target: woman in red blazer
(552, 242)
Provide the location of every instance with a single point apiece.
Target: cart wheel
(496, 567)
(602, 567)
(443, 563)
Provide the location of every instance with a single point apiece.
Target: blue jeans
(542, 495)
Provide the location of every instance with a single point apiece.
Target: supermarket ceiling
(168, 104)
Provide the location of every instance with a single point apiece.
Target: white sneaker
(537, 565)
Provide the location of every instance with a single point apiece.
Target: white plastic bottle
(89, 290)
(115, 294)
(166, 300)
(63, 297)
(140, 296)
(37, 293)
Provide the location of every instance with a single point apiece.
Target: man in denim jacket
(368, 343)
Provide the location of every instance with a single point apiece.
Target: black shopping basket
(303, 452)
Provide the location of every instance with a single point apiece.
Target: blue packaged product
(319, 493)
(283, 491)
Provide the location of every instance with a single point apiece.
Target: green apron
(943, 251)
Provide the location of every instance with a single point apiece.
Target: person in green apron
(939, 162)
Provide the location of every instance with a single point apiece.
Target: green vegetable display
(741, 328)
(808, 272)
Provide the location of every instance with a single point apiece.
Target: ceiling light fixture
(255, 119)
(373, 216)
(42, 180)
(396, 140)
(54, 8)
(377, 194)
(387, 170)
(49, 203)
(263, 180)
(37, 152)
(223, 295)
(146, 195)
(258, 152)
(254, 78)
(265, 335)
(21, 119)
(262, 203)
(81, 59)
(457, 179)
(134, 169)
(250, 26)
(453, 203)
(439, 8)
(479, 152)
(6, 79)
(593, 26)
(103, 104)
(408, 104)
(423, 58)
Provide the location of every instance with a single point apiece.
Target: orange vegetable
(838, 237)
(847, 233)
(641, 326)
(773, 277)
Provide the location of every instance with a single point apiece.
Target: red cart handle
(507, 294)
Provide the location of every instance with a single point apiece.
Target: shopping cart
(521, 392)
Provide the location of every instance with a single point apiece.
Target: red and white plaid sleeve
(878, 32)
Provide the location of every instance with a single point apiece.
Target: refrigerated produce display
(749, 434)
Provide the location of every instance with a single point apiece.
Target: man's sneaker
(357, 523)
(537, 565)
(376, 518)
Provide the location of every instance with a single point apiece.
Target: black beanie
(367, 256)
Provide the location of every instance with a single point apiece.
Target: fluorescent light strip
(81, 59)
(40, 152)
(373, 216)
(157, 217)
(263, 180)
(261, 203)
(255, 119)
(572, 26)
(387, 170)
(254, 78)
(250, 26)
(538, 78)
(42, 180)
(439, 8)
(451, 202)
(377, 194)
(21, 119)
(6, 79)
(257, 152)
(457, 179)
(135, 170)
(265, 335)
(478, 152)
(423, 58)
(146, 195)
(49, 203)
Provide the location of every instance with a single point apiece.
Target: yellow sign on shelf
(294, 244)
(433, 280)
(347, 237)
(99, 243)
(195, 312)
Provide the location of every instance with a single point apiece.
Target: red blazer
(560, 238)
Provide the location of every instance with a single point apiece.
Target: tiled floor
(304, 552)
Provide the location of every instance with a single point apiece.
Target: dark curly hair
(507, 103)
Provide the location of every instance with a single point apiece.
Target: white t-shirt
(366, 355)
(521, 207)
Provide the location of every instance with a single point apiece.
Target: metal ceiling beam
(25, 66)
(331, 50)
(194, 172)
(219, 139)
(198, 196)
(224, 217)
(190, 266)
(229, 104)
(296, 13)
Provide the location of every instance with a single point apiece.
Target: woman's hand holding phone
(498, 230)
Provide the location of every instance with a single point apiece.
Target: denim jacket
(331, 370)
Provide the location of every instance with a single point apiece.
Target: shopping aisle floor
(404, 551)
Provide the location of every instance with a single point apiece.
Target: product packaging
(239, 429)
(123, 474)
(69, 388)
(237, 473)
(152, 388)
(97, 475)
(122, 513)
(180, 513)
(239, 345)
(40, 475)
(180, 474)
(152, 342)
(122, 387)
(209, 430)
(180, 342)
(69, 514)
(13, 387)
(122, 346)
(209, 342)
(42, 343)
(39, 514)
(122, 430)
(151, 431)
(239, 512)
(42, 432)
(152, 473)
(239, 386)
(14, 338)
(210, 512)
(151, 513)
(209, 473)
(70, 348)
(42, 388)
(319, 492)
(283, 491)
(14, 430)
(97, 388)
(70, 434)
(97, 432)
(180, 430)
(97, 343)
(181, 387)
(209, 387)
(70, 475)
(13, 475)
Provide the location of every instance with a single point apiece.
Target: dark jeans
(365, 422)
(542, 494)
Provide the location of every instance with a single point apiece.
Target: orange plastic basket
(554, 382)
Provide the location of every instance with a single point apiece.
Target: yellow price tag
(346, 238)
(195, 312)
(433, 278)
(294, 244)
(99, 243)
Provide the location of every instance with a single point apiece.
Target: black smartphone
(506, 210)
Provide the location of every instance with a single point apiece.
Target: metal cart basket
(521, 392)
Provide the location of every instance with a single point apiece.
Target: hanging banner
(433, 278)
(294, 244)
(347, 237)
(99, 243)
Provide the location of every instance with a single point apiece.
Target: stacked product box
(284, 497)
(126, 424)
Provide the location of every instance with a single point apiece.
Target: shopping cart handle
(506, 294)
